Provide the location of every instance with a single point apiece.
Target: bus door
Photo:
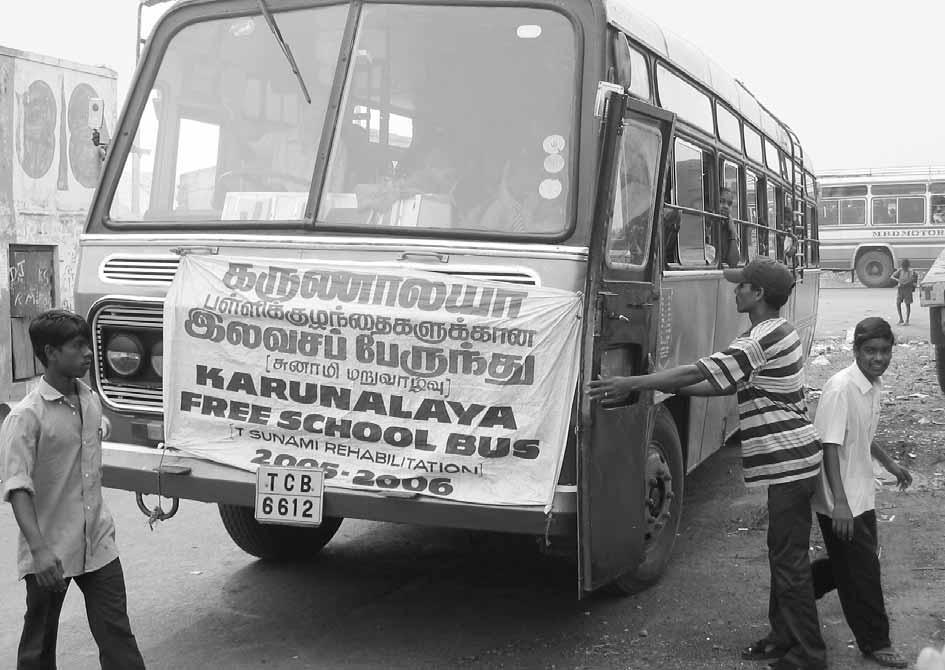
(620, 331)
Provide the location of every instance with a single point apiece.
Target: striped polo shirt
(766, 367)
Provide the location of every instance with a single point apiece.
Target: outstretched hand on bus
(612, 387)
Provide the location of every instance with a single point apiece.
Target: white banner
(387, 378)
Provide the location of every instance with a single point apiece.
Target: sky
(859, 82)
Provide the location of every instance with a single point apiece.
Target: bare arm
(903, 477)
(668, 381)
(47, 566)
(842, 516)
(704, 388)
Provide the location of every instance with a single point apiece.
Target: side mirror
(96, 113)
(96, 122)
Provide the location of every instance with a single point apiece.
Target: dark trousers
(105, 605)
(853, 569)
(792, 610)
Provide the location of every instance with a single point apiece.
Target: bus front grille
(155, 269)
(145, 321)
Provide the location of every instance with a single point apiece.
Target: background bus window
(911, 211)
(829, 213)
(937, 207)
(853, 212)
(898, 211)
(628, 240)
(843, 191)
(690, 192)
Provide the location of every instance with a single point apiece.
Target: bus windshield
(450, 118)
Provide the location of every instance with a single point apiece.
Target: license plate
(291, 496)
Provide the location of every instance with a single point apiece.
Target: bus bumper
(142, 469)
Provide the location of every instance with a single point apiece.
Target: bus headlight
(157, 358)
(124, 354)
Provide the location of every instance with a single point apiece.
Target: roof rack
(916, 171)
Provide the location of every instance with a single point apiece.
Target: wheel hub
(659, 491)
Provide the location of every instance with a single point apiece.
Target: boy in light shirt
(845, 500)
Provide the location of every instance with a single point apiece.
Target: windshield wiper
(274, 27)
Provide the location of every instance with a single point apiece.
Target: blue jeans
(106, 608)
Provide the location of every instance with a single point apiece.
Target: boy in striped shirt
(780, 449)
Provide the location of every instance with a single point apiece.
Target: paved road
(842, 305)
(388, 596)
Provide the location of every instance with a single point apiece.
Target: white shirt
(847, 415)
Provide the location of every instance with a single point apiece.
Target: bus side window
(938, 209)
(769, 238)
(730, 185)
(752, 237)
(690, 192)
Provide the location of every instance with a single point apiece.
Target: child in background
(907, 280)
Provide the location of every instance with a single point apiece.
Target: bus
(469, 162)
(872, 218)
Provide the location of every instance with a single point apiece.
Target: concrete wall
(48, 172)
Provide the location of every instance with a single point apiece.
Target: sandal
(888, 658)
(762, 650)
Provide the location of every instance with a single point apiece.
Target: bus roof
(693, 61)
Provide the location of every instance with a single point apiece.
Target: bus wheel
(664, 496)
(271, 542)
(873, 268)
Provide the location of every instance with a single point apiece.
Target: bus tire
(276, 543)
(665, 472)
(940, 365)
(874, 267)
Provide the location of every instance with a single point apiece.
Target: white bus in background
(871, 219)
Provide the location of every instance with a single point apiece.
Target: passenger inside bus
(938, 209)
(670, 220)
(729, 237)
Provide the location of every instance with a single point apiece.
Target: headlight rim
(138, 344)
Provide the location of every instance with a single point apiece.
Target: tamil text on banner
(387, 378)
